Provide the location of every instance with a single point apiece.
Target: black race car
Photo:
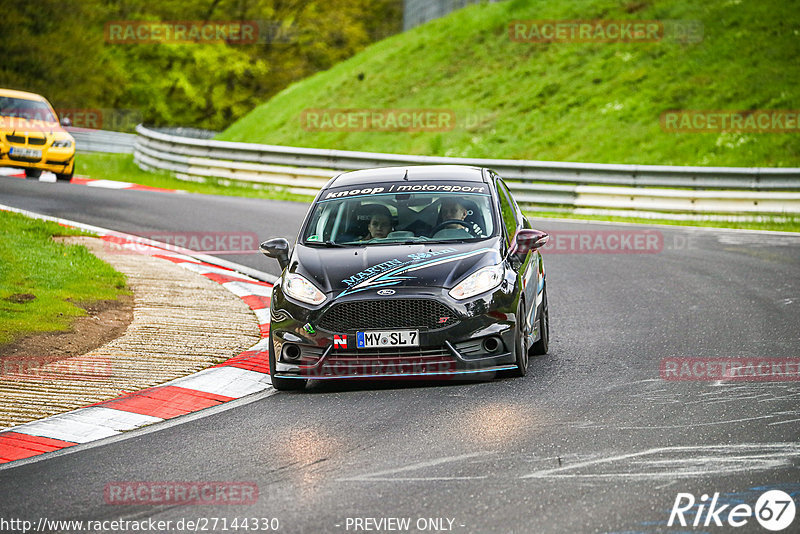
(428, 271)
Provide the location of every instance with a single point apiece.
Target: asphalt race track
(593, 439)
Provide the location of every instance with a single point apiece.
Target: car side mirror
(277, 248)
(65, 121)
(527, 240)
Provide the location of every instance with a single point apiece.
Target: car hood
(29, 126)
(349, 270)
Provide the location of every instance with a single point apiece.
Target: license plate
(26, 152)
(387, 338)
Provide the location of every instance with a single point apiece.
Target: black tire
(33, 173)
(543, 345)
(282, 384)
(520, 354)
(63, 177)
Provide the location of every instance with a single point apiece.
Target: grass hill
(563, 101)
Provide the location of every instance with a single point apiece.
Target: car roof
(416, 173)
(22, 94)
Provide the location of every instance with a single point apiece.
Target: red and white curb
(90, 182)
(239, 376)
(12, 172)
(111, 184)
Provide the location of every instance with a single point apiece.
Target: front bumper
(477, 338)
(54, 159)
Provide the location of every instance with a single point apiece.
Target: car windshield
(25, 109)
(373, 216)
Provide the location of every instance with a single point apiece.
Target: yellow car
(32, 138)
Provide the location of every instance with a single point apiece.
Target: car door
(528, 268)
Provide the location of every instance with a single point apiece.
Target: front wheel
(520, 352)
(33, 173)
(543, 345)
(64, 177)
(282, 384)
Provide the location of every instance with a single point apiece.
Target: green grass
(58, 276)
(777, 223)
(587, 102)
(120, 167)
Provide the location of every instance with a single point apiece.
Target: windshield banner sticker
(409, 188)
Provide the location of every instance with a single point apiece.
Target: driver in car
(454, 210)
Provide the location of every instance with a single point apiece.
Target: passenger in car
(380, 223)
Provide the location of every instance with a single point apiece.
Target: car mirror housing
(65, 121)
(277, 248)
(527, 240)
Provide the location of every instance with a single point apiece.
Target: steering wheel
(448, 222)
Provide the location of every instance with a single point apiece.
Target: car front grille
(387, 313)
(19, 139)
(410, 353)
(36, 140)
(389, 362)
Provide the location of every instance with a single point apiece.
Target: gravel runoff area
(182, 323)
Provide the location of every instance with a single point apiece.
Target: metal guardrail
(416, 12)
(641, 187)
(87, 140)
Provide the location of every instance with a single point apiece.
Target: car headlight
(478, 282)
(62, 143)
(300, 288)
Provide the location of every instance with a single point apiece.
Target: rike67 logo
(774, 510)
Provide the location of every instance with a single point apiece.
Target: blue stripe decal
(394, 276)
(432, 375)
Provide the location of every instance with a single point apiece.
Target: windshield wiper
(447, 241)
(324, 244)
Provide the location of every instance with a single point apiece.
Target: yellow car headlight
(62, 143)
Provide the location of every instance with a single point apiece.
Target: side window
(507, 212)
(514, 205)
